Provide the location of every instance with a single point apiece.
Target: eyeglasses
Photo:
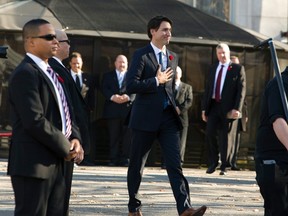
(62, 41)
(48, 37)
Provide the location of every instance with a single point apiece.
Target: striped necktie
(68, 123)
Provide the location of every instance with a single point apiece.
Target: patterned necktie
(68, 123)
(218, 85)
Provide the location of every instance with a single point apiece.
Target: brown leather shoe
(138, 213)
(194, 212)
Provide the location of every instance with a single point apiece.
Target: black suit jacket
(80, 108)
(110, 86)
(184, 99)
(89, 96)
(37, 145)
(147, 107)
(233, 92)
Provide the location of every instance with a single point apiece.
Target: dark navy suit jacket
(147, 107)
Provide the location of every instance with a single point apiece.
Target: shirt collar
(225, 65)
(58, 60)
(74, 73)
(40, 63)
(157, 50)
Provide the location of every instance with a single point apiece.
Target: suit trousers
(68, 173)
(168, 137)
(39, 197)
(217, 130)
(183, 138)
(119, 137)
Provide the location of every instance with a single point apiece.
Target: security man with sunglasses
(43, 131)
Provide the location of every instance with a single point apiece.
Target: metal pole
(277, 72)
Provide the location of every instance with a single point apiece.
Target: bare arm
(281, 130)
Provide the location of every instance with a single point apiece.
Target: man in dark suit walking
(221, 105)
(154, 115)
(43, 132)
(79, 106)
(116, 108)
(183, 99)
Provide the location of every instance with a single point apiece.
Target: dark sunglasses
(62, 41)
(48, 37)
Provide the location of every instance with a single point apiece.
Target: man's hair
(31, 28)
(75, 55)
(155, 23)
(223, 46)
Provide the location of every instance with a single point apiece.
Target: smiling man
(154, 116)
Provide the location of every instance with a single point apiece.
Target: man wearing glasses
(44, 134)
(79, 105)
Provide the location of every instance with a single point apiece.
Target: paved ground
(100, 190)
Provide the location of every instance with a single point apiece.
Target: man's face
(64, 47)
(223, 55)
(163, 35)
(76, 64)
(43, 48)
(121, 63)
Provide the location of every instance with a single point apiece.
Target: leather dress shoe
(137, 213)
(223, 172)
(194, 212)
(211, 170)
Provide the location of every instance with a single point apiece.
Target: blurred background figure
(221, 106)
(236, 129)
(85, 84)
(116, 108)
(183, 99)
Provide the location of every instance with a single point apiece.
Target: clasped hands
(76, 153)
(120, 98)
(164, 76)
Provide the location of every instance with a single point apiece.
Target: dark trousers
(39, 197)
(217, 130)
(168, 137)
(119, 136)
(273, 183)
(68, 173)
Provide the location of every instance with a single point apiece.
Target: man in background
(237, 128)
(85, 84)
(116, 108)
(183, 99)
(221, 105)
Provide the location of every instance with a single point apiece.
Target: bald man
(117, 106)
